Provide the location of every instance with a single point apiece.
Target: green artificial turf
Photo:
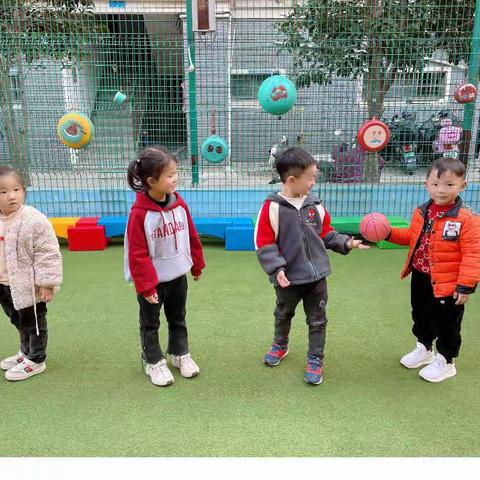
(94, 399)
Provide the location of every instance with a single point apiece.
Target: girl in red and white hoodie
(161, 246)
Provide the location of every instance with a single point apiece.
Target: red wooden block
(87, 238)
(87, 221)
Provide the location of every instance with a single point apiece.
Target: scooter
(275, 149)
(349, 161)
(402, 147)
(446, 144)
(431, 145)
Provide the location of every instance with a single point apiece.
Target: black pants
(173, 296)
(314, 296)
(33, 346)
(435, 318)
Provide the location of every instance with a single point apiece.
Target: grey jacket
(290, 239)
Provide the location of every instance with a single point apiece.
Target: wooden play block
(60, 225)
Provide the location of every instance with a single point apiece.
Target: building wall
(51, 91)
(319, 111)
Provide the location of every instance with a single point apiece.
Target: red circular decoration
(465, 93)
(373, 135)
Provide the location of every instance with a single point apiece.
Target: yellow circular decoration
(75, 130)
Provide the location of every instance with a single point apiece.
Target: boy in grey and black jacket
(292, 234)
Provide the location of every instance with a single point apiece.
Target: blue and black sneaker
(275, 355)
(314, 372)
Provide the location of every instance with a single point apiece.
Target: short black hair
(293, 161)
(446, 164)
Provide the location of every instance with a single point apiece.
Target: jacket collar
(144, 202)
(309, 200)
(453, 212)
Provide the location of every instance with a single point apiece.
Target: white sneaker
(9, 362)
(188, 368)
(24, 370)
(159, 373)
(438, 370)
(418, 357)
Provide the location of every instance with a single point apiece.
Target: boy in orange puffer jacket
(444, 258)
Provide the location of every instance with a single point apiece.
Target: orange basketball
(375, 227)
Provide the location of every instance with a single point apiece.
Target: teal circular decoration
(277, 94)
(119, 97)
(214, 149)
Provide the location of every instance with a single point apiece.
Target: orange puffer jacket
(454, 257)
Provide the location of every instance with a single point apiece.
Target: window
(244, 86)
(418, 85)
(430, 85)
(15, 86)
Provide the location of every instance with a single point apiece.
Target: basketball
(374, 227)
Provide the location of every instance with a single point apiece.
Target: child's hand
(282, 279)
(152, 298)
(461, 298)
(197, 277)
(46, 293)
(352, 243)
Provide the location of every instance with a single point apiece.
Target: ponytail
(133, 176)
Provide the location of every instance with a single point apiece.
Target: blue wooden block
(239, 237)
(215, 226)
(242, 221)
(114, 226)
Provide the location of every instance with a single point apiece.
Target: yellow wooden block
(61, 224)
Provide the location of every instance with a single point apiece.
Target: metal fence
(350, 60)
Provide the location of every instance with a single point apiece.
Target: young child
(161, 246)
(30, 269)
(444, 259)
(292, 234)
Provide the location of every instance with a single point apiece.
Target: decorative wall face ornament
(465, 93)
(214, 148)
(75, 130)
(373, 135)
(277, 94)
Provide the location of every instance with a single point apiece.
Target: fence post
(192, 94)
(472, 77)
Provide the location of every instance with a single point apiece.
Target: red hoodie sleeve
(264, 234)
(195, 246)
(140, 265)
(326, 224)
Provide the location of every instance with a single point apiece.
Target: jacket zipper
(308, 254)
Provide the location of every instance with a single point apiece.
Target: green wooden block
(384, 245)
(346, 224)
(398, 222)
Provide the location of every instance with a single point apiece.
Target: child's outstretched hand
(46, 293)
(352, 243)
(152, 298)
(282, 279)
(461, 298)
